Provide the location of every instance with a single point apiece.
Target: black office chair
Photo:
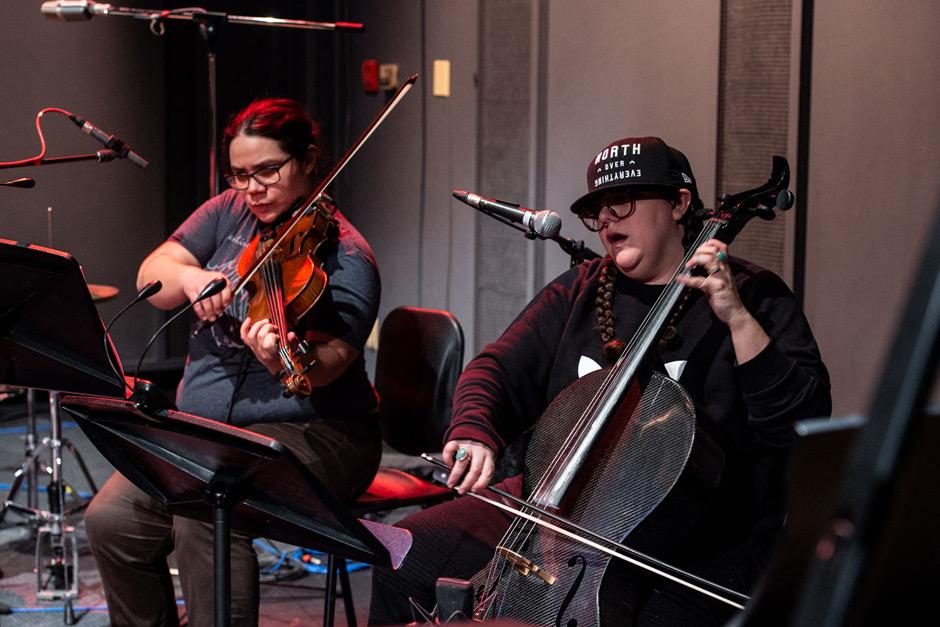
(419, 358)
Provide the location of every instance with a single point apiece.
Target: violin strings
(274, 294)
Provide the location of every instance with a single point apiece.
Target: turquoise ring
(462, 454)
(721, 256)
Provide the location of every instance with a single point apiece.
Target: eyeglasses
(625, 200)
(268, 175)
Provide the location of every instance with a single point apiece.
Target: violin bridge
(524, 566)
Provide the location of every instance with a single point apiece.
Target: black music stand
(901, 577)
(51, 338)
(232, 478)
(817, 460)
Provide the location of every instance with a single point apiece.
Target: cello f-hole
(572, 622)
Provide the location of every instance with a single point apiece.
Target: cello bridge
(525, 566)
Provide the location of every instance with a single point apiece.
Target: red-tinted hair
(281, 119)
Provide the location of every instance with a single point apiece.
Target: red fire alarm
(370, 76)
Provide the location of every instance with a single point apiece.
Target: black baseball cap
(637, 161)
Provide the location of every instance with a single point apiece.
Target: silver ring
(462, 454)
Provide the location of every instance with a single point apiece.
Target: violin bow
(328, 179)
(324, 183)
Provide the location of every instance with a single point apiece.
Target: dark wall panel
(753, 110)
(505, 133)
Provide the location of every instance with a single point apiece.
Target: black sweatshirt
(746, 409)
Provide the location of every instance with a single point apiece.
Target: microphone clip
(149, 399)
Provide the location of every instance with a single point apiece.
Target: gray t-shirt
(221, 371)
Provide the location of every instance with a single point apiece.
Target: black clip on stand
(51, 338)
(235, 480)
(577, 250)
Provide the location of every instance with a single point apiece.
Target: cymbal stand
(30, 468)
(32, 437)
(56, 544)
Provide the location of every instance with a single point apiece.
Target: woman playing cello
(739, 345)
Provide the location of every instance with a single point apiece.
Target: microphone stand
(100, 156)
(210, 23)
(577, 250)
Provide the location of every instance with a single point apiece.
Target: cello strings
(519, 532)
(618, 555)
(650, 323)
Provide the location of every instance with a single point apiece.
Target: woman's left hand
(747, 335)
(718, 285)
(262, 338)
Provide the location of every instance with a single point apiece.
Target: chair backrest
(419, 358)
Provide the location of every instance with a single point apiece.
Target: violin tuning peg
(785, 199)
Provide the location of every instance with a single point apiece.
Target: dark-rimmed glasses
(268, 175)
(625, 199)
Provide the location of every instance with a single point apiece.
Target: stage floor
(287, 601)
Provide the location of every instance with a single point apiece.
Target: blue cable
(7, 430)
(77, 608)
(296, 555)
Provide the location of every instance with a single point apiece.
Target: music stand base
(61, 560)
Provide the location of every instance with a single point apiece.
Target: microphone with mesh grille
(542, 224)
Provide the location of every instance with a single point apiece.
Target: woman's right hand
(193, 281)
(475, 468)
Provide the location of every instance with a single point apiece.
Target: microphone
(73, 10)
(543, 224)
(110, 142)
(147, 397)
(25, 183)
(148, 290)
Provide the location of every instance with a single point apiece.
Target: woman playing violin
(740, 346)
(271, 151)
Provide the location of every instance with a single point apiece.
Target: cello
(622, 431)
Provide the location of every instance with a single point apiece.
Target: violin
(603, 456)
(287, 283)
(279, 269)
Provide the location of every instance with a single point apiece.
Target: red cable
(37, 160)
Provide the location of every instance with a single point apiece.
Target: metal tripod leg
(32, 476)
(56, 545)
(32, 466)
(63, 562)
